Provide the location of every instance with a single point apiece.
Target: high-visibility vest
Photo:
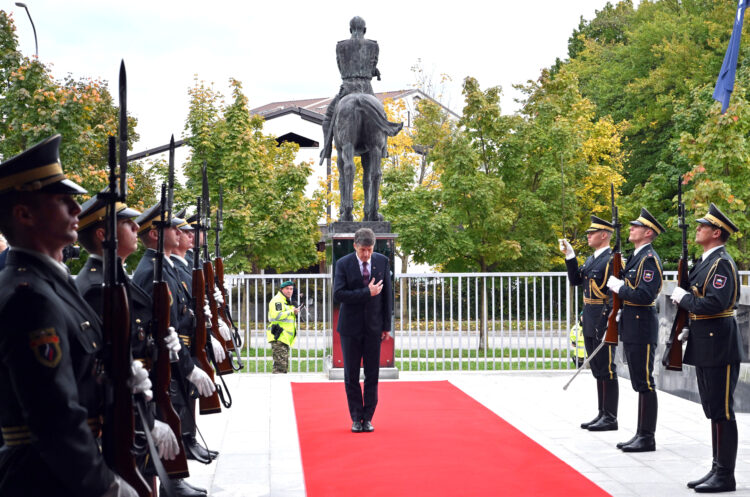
(576, 338)
(282, 313)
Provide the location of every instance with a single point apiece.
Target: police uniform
(50, 399)
(639, 331)
(593, 275)
(281, 313)
(714, 347)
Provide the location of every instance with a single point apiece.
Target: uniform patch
(278, 306)
(648, 275)
(46, 347)
(719, 281)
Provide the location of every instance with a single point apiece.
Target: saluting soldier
(715, 344)
(639, 324)
(593, 275)
(51, 398)
(181, 318)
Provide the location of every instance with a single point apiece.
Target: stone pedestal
(340, 242)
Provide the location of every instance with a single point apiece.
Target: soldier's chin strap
(166, 482)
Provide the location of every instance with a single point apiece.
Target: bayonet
(170, 183)
(123, 132)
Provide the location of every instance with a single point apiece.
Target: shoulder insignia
(46, 347)
(278, 306)
(171, 300)
(648, 275)
(185, 286)
(719, 281)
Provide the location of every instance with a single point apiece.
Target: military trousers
(716, 388)
(640, 359)
(603, 365)
(280, 357)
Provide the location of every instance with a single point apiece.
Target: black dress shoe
(197, 489)
(589, 423)
(195, 451)
(720, 481)
(620, 445)
(367, 427)
(605, 423)
(695, 483)
(357, 427)
(214, 453)
(182, 490)
(642, 443)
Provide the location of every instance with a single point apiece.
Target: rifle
(672, 358)
(225, 310)
(610, 337)
(208, 405)
(118, 435)
(225, 366)
(177, 468)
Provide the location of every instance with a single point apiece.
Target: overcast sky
(285, 50)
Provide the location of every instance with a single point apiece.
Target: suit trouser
(363, 349)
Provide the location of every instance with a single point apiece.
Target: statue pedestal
(340, 242)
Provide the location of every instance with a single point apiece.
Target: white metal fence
(442, 321)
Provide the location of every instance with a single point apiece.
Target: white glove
(207, 311)
(120, 488)
(683, 336)
(202, 382)
(172, 340)
(677, 295)
(224, 330)
(139, 381)
(217, 295)
(566, 248)
(219, 354)
(165, 441)
(618, 316)
(615, 284)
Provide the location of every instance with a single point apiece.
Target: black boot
(181, 489)
(620, 445)
(644, 441)
(610, 400)
(726, 454)
(599, 394)
(193, 450)
(695, 483)
(197, 489)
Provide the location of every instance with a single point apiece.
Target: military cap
(95, 210)
(286, 284)
(153, 214)
(649, 221)
(717, 219)
(193, 220)
(181, 213)
(37, 169)
(183, 225)
(598, 223)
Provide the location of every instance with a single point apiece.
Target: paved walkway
(260, 455)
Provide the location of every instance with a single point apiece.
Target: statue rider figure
(357, 59)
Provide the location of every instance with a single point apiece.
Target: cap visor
(128, 213)
(64, 186)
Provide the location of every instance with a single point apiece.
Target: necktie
(365, 274)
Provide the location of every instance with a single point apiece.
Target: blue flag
(725, 81)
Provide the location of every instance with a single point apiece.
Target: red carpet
(430, 439)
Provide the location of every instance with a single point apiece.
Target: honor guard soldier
(639, 324)
(592, 275)
(51, 394)
(181, 318)
(714, 346)
(91, 234)
(185, 244)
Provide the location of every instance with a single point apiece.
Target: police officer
(715, 345)
(282, 330)
(50, 393)
(592, 275)
(181, 318)
(639, 324)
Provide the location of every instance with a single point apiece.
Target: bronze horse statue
(361, 128)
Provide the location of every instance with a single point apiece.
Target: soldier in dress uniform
(639, 324)
(51, 397)
(185, 243)
(714, 346)
(357, 60)
(593, 275)
(181, 318)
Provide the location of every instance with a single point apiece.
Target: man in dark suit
(715, 345)
(639, 324)
(362, 285)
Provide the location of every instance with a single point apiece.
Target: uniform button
(711, 334)
(138, 320)
(94, 344)
(637, 316)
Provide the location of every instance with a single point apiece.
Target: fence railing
(442, 321)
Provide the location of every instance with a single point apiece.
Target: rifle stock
(225, 366)
(672, 358)
(611, 336)
(212, 404)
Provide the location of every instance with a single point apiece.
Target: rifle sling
(166, 482)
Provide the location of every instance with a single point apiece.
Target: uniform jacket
(281, 312)
(593, 276)
(185, 272)
(49, 398)
(715, 291)
(643, 279)
(359, 312)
